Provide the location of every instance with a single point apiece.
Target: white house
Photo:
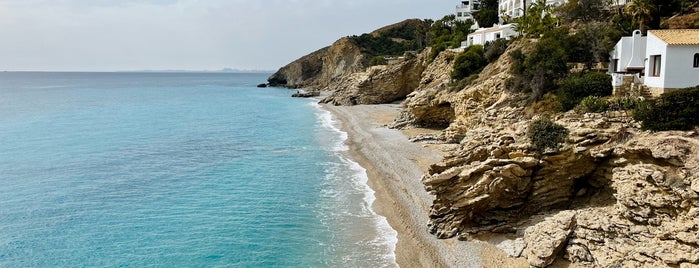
(465, 10)
(629, 54)
(672, 60)
(662, 61)
(515, 8)
(483, 35)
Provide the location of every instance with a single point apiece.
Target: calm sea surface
(177, 170)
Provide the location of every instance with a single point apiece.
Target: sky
(130, 35)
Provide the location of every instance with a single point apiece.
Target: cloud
(107, 35)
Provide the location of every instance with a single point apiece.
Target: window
(497, 36)
(696, 60)
(458, 14)
(655, 65)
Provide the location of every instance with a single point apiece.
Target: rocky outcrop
(343, 70)
(610, 196)
(300, 73)
(322, 68)
(380, 84)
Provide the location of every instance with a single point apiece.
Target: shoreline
(394, 166)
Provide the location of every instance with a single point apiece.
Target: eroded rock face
(631, 191)
(379, 84)
(323, 67)
(303, 72)
(610, 196)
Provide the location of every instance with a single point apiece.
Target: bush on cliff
(538, 71)
(378, 60)
(469, 62)
(447, 32)
(544, 133)
(493, 50)
(676, 110)
(574, 89)
(396, 39)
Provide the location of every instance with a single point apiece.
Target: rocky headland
(612, 195)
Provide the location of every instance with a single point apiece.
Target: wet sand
(394, 166)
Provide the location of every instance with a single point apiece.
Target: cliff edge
(612, 195)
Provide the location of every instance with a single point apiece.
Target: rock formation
(611, 196)
(343, 70)
(626, 197)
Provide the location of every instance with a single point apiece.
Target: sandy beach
(394, 166)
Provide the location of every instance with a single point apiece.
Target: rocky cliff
(322, 68)
(343, 70)
(611, 196)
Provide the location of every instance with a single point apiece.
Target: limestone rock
(546, 239)
(378, 84)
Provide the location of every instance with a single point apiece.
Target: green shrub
(494, 49)
(544, 133)
(447, 32)
(378, 60)
(623, 103)
(592, 104)
(538, 71)
(676, 110)
(574, 89)
(469, 62)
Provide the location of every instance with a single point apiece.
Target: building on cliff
(660, 62)
(465, 10)
(515, 8)
(483, 35)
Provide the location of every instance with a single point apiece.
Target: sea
(178, 170)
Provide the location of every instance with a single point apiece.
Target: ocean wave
(349, 171)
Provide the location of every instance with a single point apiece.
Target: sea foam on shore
(358, 223)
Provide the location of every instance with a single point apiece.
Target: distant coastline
(147, 71)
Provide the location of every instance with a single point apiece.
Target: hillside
(610, 194)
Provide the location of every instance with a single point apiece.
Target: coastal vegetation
(447, 32)
(676, 110)
(575, 88)
(545, 134)
(470, 62)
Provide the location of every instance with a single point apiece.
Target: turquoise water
(177, 170)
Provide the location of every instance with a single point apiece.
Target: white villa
(508, 8)
(466, 9)
(662, 61)
(483, 35)
(515, 8)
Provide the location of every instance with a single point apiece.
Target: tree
(537, 19)
(469, 62)
(447, 32)
(642, 12)
(584, 10)
(488, 14)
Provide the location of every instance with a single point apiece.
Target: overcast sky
(122, 35)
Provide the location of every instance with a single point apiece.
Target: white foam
(387, 237)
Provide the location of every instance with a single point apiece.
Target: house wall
(622, 53)
(475, 39)
(655, 47)
(490, 34)
(680, 72)
(511, 8)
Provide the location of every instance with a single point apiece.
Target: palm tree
(641, 11)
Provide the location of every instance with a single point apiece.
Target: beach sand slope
(394, 166)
